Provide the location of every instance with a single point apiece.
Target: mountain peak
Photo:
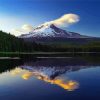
(54, 27)
(50, 30)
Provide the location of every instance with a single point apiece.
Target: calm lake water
(70, 78)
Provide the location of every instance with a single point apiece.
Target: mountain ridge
(51, 31)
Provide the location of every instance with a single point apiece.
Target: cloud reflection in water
(60, 80)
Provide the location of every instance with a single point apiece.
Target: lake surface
(67, 78)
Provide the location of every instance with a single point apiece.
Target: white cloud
(27, 27)
(23, 30)
(17, 32)
(64, 21)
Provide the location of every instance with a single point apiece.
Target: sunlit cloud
(17, 32)
(23, 30)
(27, 27)
(64, 21)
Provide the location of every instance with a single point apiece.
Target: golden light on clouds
(64, 21)
(23, 30)
(16, 32)
(27, 27)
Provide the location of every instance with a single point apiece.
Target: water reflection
(52, 71)
(67, 84)
(60, 80)
(16, 71)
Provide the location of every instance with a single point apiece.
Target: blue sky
(15, 13)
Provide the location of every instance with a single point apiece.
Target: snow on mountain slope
(50, 30)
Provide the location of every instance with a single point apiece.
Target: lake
(50, 78)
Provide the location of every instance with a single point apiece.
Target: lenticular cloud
(65, 20)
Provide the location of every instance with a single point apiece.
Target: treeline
(10, 43)
(93, 46)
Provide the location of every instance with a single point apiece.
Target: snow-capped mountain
(50, 30)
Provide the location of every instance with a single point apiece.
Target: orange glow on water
(27, 75)
(16, 71)
(60, 81)
(69, 85)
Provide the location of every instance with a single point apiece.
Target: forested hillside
(10, 43)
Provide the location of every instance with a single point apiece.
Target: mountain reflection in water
(60, 80)
(53, 71)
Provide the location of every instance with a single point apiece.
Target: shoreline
(19, 55)
(49, 53)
